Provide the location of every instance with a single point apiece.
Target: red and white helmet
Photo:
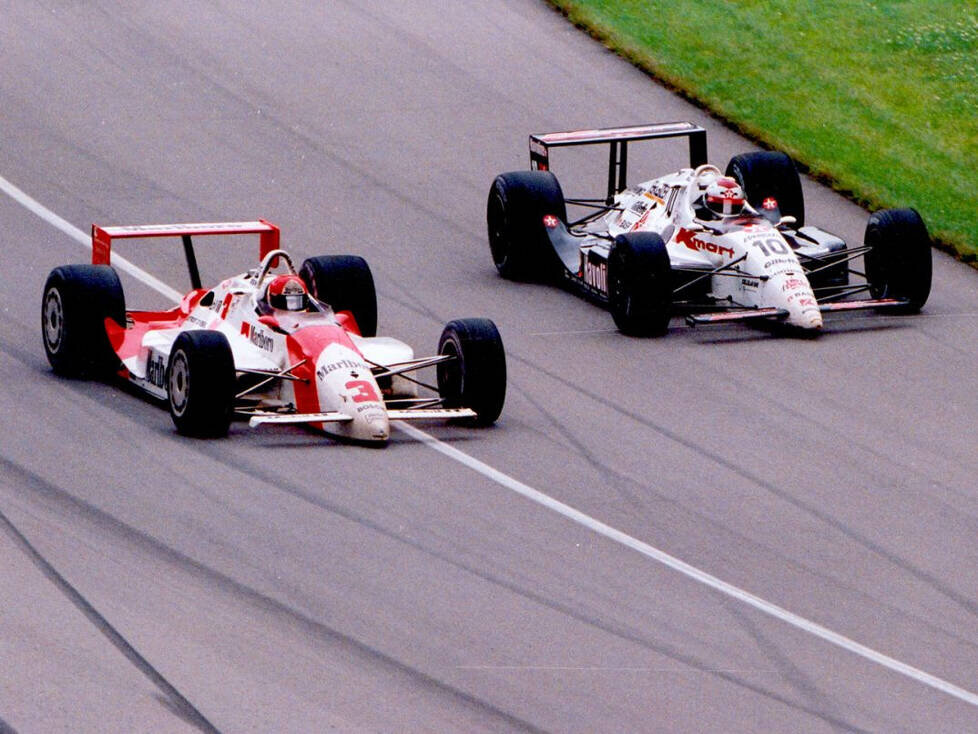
(725, 197)
(286, 293)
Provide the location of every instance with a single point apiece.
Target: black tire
(640, 284)
(200, 384)
(899, 263)
(770, 174)
(346, 284)
(476, 378)
(77, 300)
(518, 241)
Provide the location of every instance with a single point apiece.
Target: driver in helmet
(285, 293)
(722, 199)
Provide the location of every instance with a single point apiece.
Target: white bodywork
(753, 265)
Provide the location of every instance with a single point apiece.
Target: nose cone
(792, 291)
(371, 424)
(345, 384)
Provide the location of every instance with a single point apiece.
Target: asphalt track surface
(279, 581)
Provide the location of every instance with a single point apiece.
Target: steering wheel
(270, 261)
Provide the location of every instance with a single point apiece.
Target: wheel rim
(53, 320)
(179, 383)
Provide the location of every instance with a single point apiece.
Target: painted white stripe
(687, 570)
(566, 511)
(85, 239)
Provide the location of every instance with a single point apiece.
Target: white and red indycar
(715, 246)
(271, 345)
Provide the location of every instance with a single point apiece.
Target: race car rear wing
(102, 238)
(618, 139)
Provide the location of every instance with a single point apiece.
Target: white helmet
(724, 197)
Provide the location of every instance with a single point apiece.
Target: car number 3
(364, 391)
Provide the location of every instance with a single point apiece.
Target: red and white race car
(271, 345)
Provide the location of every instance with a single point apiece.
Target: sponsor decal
(550, 221)
(197, 322)
(226, 305)
(779, 261)
(347, 364)
(259, 337)
(641, 220)
(688, 238)
(156, 369)
(748, 283)
(770, 203)
(596, 275)
(656, 201)
(793, 284)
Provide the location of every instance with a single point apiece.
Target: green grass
(878, 98)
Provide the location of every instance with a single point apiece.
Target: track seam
(187, 710)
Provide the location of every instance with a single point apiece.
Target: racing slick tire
(640, 284)
(476, 377)
(899, 261)
(346, 284)
(200, 382)
(766, 175)
(77, 300)
(518, 241)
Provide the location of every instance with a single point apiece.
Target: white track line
(86, 239)
(566, 511)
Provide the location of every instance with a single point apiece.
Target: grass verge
(879, 99)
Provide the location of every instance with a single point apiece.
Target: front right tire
(475, 377)
(899, 262)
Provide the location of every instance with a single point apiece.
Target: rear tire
(346, 284)
(640, 284)
(899, 263)
(518, 240)
(77, 300)
(767, 175)
(200, 382)
(476, 378)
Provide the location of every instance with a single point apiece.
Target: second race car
(270, 345)
(715, 246)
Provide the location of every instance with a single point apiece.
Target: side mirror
(787, 219)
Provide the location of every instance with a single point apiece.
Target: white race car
(271, 345)
(716, 246)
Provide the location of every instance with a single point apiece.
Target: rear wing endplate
(618, 139)
(102, 238)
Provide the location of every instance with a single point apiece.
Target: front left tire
(640, 284)
(200, 381)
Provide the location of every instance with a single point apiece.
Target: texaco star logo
(550, 221)
(770, 203)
